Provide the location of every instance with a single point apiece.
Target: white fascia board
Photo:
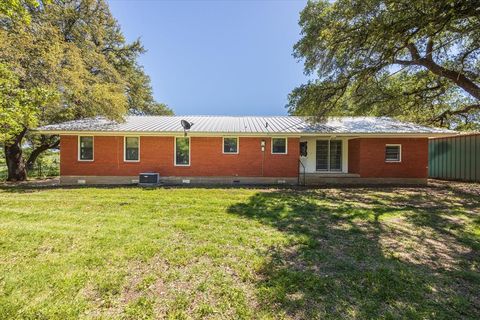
(253, 134)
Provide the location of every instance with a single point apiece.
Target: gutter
(252, 135)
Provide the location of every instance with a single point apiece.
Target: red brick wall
(156, 154)
(354, 156)
(366, 156)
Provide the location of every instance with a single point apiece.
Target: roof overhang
(253, 134)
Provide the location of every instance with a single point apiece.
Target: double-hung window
(132, 149)
(230, 145)
(393, 153)
(85, 148)
(329, 155)
(182, 151)
(279, 145)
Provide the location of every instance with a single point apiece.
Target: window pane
(132, 148)
(279, 145)
(329, 155)
(336, 155)
(230, 145)
(132, 142)
(86, 148)
(182, 151)
(392, 153)
(322, 155)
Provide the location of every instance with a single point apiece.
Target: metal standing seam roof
(245, 125)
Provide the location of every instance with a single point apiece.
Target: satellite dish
(186, 126)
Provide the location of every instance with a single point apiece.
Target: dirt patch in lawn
(365, 253)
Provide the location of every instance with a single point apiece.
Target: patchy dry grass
(128, 253)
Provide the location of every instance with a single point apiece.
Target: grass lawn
(178, 253)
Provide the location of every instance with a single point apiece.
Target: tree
(74, 49)
(417, 60)
(17, 109)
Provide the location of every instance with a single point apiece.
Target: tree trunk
(36, 152)
(14, 158)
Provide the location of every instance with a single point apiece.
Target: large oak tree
(73, 56)
(416, 60)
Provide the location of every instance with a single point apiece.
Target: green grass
(131, 253)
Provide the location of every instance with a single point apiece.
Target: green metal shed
(455, 158)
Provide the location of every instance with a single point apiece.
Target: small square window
(279, 145)
(85, 148)
(132, 149)
(230, 145)
(393, 153)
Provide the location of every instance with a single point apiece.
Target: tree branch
(429, 50)
(413, 51)
(37, 151)
(404, 62)
(427, 89)
(461, 111)
(456, 77)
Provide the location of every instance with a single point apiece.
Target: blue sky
(217, 57)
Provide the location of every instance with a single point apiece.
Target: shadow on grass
(342, 260)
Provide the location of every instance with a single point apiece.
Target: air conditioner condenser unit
(148, 179)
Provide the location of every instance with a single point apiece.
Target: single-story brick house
(245, 150)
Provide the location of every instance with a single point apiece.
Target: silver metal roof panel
(246, 125)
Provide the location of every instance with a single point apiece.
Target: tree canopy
(416, 60)
(71, 60)
(18, 9)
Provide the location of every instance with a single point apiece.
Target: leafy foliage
(18, 9)
(17, 105)
(417, 60)
(72, 50)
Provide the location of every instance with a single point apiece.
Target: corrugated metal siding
(455, 158)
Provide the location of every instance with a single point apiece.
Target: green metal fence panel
(477, 159)
(473, 168)
(458, 157)
(433, 158)
(455, 158)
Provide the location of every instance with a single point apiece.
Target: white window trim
(93, 148)
(223, 145)
(286, 145)
(344, 162)
(399, 153)
(175, 152)
(125, 148)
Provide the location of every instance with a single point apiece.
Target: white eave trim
(249, 134)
